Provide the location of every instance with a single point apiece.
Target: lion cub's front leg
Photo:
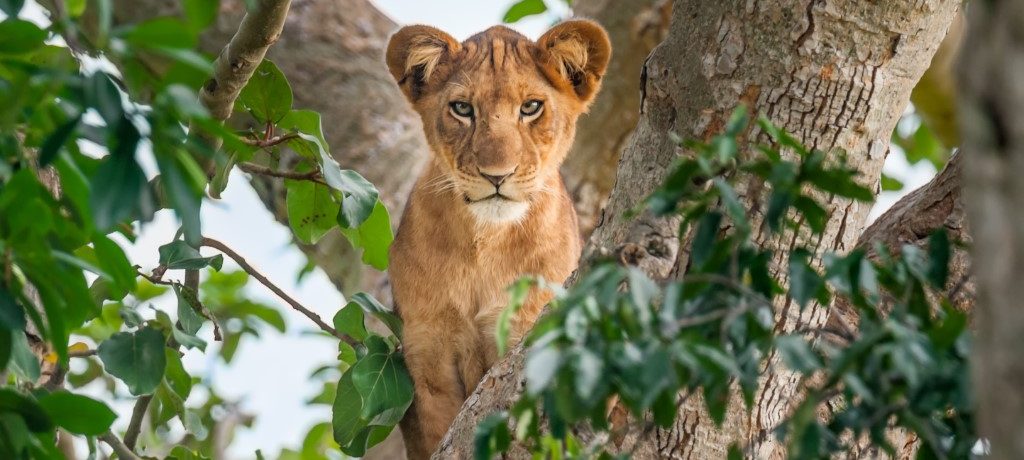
(440, 353)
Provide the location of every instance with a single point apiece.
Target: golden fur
(491, 207)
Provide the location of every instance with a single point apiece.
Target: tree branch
(251, 168)
(209, 242)
(233, 68)
(937, 204)
(131, 435)
(122, 451)
(276, 140)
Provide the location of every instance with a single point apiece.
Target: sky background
(270, 376)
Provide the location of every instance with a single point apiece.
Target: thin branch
(122, 451)
(131, 435)
(237, 62)
(81, 354)
(269, 142)
(251, 168)
(212, 243)
(155, 279)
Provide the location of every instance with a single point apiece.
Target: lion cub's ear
(574, 54)
(419, 56)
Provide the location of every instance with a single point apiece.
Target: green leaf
(188, 318)
(311, 210)
(102, 94)
(541, 366)
(938, 258)
(804, 282)
(179, 255)
(522, 9)
(160, 32)
(118, 182)
(360, 196)
(33, 414)
(11, 7)
(382, 380)
(23, 362)
(346, 411)
(813, 213)
(188, 340)
(201, 13)
(267, 94)
(137, 358)
(12, 317)
(182, 189)
(373, 236)
(517, 293)
(18, 36)
(175, 375)
(797, 353)
(366, 438)
(891, 184)
(704, 238)
(382, 313)
(349, 321)
(492, 436)
(305, 121)
(56, 140)
(77, 414)
(115, 264)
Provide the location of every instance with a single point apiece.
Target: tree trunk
(635, 28)
(837, 75)
(992, 126)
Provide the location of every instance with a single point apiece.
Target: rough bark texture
(936, 205)
(836, 75)
(992, 126)
(635, 28)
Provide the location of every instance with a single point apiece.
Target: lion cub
(499, 112)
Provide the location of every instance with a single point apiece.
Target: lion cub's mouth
(494, 196)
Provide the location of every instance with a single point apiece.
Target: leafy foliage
(525, 8)
(100, 128)
(619, 335)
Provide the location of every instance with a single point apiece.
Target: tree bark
(635, 28)
(992, 126)
(936, 205)
(836, 75)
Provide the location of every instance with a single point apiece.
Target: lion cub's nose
(496, 179)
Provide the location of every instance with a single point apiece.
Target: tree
(991, 123)
(833, 87)
(829, 86)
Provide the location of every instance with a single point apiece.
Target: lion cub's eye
(531, 108)
(461, 109)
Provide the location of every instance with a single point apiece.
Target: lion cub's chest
(483, 271)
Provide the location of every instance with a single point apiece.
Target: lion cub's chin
(499, 211)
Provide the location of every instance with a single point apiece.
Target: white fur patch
(498, 211)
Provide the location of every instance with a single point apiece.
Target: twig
(122, 451)
(236, 63)
(155, 279)
(212, 243)
(81, 354)
(270, 142)
(251, 168)
(131, 435)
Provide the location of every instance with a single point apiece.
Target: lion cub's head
(499, 109)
